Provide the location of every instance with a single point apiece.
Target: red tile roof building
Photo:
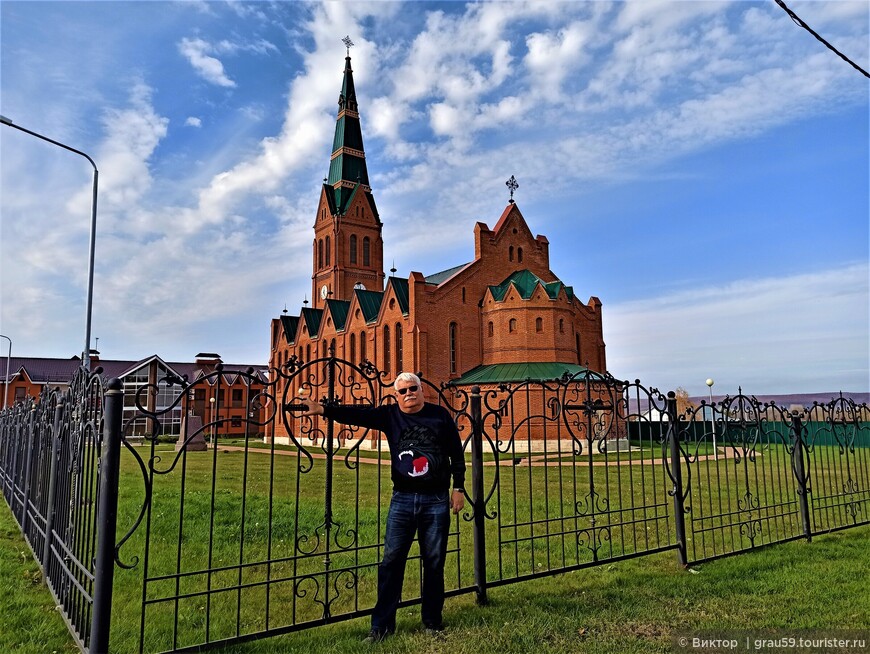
(30, 377)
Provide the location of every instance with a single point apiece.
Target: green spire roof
(525, 281)
(347, 166)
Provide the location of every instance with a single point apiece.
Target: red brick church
(502, 317)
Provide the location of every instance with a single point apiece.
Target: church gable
(326, 206)
(370, 304)
(394, 301)
(512, 242)
(310, 322)
(336, 314)
(512, 222)
(359, 209)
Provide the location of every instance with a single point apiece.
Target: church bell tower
(348, 248)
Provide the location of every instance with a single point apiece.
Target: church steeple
(347, 166)
(348, 248)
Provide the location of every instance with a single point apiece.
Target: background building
(217, 397)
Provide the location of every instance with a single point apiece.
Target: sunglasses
(412, 388)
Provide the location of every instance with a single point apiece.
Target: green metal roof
(370, 303)
(348, 133)
(444, 275)
(401, 288)
(338, 309)
(525, 281)
(498, 373)
(312, 320)
(348, 168)
(290, 323)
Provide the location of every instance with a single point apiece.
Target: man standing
(425, 451)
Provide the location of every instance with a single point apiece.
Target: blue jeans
(427, 516)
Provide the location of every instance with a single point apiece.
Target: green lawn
(622, 606)
(631, 606)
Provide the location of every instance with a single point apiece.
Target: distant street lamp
(86, 353)
(213, 435)
(8, 357)
(709, 383)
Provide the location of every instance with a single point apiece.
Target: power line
(797, 20)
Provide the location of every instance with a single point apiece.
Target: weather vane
(513, 185)
(347, 44)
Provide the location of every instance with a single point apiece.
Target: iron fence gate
(280, 529)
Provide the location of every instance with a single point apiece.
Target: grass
(627, 607)
(621, 607)
(29, 621)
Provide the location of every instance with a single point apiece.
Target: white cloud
(554, 55)
(208, 67)
(796, 332)
(193, 121)
(132, 134)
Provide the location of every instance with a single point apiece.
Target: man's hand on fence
(312, 408)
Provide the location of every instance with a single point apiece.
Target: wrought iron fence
(233, 538)
(49, 454)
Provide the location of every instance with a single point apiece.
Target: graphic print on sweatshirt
(419, 455)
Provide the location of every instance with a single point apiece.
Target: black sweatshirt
(425, 447)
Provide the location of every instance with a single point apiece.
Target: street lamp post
(86, 353)
(8, 357)
(213, 435)
(709, 383)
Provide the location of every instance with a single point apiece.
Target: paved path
(536, 461)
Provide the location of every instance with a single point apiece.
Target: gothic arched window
(386, 348)
(539, 325)
(453, 344)
(327, 251)
(353, 248)
(320, 254)
(367, 261)
(399, 359)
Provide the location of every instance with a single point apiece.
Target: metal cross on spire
(513, 185)
(347, 43)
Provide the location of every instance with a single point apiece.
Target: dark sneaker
(376, 636)
(435, 629)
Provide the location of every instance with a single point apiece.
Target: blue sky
(701, 167)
